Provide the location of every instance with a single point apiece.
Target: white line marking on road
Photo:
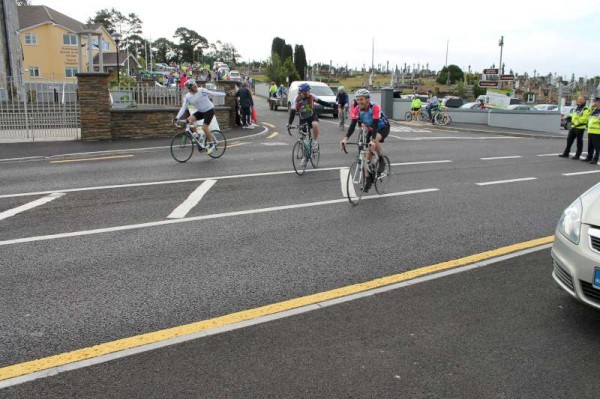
(452, 138)
(274, 144)
(494, 158)
(186, 206)
(344, 172)
(30, 205)
(581, 173)
(260, 320)
(549, 155)
(198, 218)
(489, 183)
(165, 182)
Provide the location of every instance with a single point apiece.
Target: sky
(537, 36)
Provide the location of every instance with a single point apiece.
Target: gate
(39, 111)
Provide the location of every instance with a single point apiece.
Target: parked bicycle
(303, 150)
(379, 171)
(183, 143)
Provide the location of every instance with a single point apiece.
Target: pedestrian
(579, 120)
(590, 150)
(182, 81)
(593, 129)
(246, 103)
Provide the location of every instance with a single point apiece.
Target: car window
(321, 91)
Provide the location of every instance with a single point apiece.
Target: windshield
(321, 91)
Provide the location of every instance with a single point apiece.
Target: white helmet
(362, 93)
(340, 89)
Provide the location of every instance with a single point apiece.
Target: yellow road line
(272, 135)
(92, 159)
(234, 145)
(268, 124)
(29, 367)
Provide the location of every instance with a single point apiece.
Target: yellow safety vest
(593, 126)
(579, 119)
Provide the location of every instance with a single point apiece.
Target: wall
(526, 120)
(401, 107)
(144, 123)
(468, 116)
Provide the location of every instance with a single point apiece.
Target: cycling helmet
(304, 87)
(189, 83)
(340, 89)
(362, 93)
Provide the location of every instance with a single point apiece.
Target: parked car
(520, 107)
(565, 119)
(319, 89)
(576, 248)
(453, 102)
(473, 105)
(546, 107)
(235, 76)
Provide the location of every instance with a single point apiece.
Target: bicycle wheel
(423, 117)
(299, 157)
(355, 183)
(314, 157)
(220, 144)
(408, 116)
(342, 120)
(182, 147)
(382, 183)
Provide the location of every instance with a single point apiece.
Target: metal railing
(149, 95)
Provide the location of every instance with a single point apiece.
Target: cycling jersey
(199, 101)
(342, 98)
(305, 106)
(372, 116)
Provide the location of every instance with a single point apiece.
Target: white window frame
(32, 69)
(32, 39)
(70, 36)
(73, 71)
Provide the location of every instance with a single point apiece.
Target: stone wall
(94, 103)
(156, 122)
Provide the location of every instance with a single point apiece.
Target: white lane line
(344, 173)
(186, 206)
(558, 153)
(581, 173)
(205, 217)
(452, 138)
(30, 205)
(198, 179)
(489, 183)
(274, 144)
(493, 158)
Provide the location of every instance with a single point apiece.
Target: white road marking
(344, 173)
(494, 158)
(581, 173)
(274, 144)
(198, 179)
(489, 183)
(453, 138)
(30, 205)
(186, 206)
(549, 155)
(199, 218)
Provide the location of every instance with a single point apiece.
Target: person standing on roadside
(579, 120)
(246, 103)
(594, 132)
(273, 90)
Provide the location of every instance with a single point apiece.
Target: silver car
(576, 248)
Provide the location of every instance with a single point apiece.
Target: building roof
(30, 16)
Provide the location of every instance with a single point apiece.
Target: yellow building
(53, 44)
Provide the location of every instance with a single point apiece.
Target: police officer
(579, 119)
(594, 132)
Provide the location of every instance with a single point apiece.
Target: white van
(319, 89)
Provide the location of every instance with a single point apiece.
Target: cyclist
(415, 106)
(341, 99)
(205, 109)
(432, 104)
(304, 104)
(370, 114)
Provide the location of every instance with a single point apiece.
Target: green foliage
(300, 61)
(456, 74)
(277, 47)
(460, 89)
(225, 52)
(478, 91)
(188, 40)
(116, 21)
(166, 51)
(287, 52)
(289, 70)
(23, 2)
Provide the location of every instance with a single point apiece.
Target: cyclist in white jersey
(205, 109)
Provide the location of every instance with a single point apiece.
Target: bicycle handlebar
(290, 128)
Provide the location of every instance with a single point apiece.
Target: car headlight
(570, 222)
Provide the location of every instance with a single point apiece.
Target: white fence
(40, 111)
(150, 95)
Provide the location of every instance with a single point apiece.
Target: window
(105, 45)
(70, 40)
(31, 39)
(70, 72)
(34, 72)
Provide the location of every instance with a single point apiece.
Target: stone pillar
(94, 103)
(387, 102)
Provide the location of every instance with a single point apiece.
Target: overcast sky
(538, 36)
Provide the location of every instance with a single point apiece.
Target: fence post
(387, 102)
(94, 103)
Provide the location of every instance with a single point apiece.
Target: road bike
(411, 115)
(379, 170)
(441, 117)
(183, 143)
(303, 150)
(343, 116)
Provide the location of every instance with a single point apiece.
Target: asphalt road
(104, 262)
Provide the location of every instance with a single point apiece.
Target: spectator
(579, 120)
(182, 81)
(281, 91)
(246, 103)
(273, 90)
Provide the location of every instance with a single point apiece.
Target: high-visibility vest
(579, 117)
(594, 122)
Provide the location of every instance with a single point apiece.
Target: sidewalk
(59, 149)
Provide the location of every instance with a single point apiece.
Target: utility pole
(447, 72)
(501, 44)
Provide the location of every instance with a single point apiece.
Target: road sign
(491, 71)
(488, 83)
(507, 77)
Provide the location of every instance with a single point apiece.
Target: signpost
(491, 71)
(488, 83)
(507, 77)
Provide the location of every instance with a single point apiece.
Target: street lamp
(117, 38)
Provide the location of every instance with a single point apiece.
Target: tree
(166, 50)
(188, 41)
(456, 74)
(225, 52)
(287, 52)
(300, 61)
(274, 69)
(289, 70)
(277, 47)
(460, 89)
